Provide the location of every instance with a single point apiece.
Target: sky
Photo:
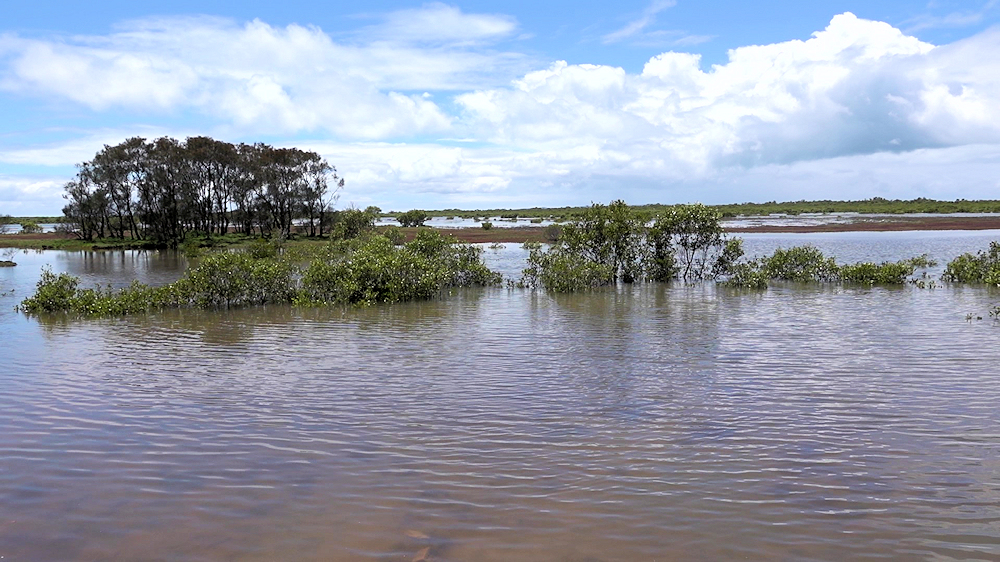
(520, 104)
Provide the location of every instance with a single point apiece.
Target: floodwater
(644, 423)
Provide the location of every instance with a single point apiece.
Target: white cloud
(856, 87)
(639, 24)
(268, 79)
(439, 23)
(953, 19)
(857, 110)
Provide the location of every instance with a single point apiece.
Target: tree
(414, 217)
(165, 190)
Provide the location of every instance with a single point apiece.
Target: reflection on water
(639, 423)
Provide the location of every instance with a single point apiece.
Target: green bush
(885, 273)
(564, 272)
(983, 267)
(800, 263)
(487, 225)
(411, 218)
(612, 243)
(365, 270)
(30, 227)
(393, 234)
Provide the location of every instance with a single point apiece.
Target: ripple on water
(643, 423)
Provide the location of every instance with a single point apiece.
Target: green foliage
(800, 263)
(553, 232)
(52, 292)
(352, 223)
(232, 279)
(808, 264)
(364, 270)
(487, 225)
(685, 240)
(563, 272)
(885, 273)
(165, 190)
(413, 217)
(983, 267)
(747, 275)
(393, 233)
(30, 227)
(377, 272)
(609, 236)
(612, 243)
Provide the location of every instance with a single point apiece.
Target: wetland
(631, 422)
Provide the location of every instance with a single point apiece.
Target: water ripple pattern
(646, 423)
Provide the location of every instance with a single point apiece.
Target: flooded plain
(640, 423)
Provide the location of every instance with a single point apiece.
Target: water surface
(645, 423)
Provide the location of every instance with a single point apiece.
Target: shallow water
(647, 423)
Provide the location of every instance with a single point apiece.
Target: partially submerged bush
(800, 263)
(563, 271)
(613, 243)
(983, 267)
(414, 217)
(808, 264)
(361, 271)
(885, 273)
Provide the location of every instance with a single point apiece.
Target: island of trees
(165, 190)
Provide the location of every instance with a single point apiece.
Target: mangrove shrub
(367, 270)
(982, 267)
(612, 243)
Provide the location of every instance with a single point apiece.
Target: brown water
(655, 423)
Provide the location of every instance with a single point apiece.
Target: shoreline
(521, 234)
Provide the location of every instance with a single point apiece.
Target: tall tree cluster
(164, 190)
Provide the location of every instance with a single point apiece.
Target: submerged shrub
(563, 272)
(686, 241)
(364, 270)
(983, 267)
(800, 263)
(747, 275)
(885, 273)
(612, 243)
(414, 217)
(52, 292)
(229, 279)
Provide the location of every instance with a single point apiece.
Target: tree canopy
(164, 190)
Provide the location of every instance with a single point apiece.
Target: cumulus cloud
(858, 104)
(262, 78)
(856, 87)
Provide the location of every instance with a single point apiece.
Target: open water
(641, 423)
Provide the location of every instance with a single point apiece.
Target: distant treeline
(164, 190)
(876, 205)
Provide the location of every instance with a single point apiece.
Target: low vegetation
(982, 267)
(875, 205)
(365, 270)
(415, 217)
(614, 243)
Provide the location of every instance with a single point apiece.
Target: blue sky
(474, 104)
